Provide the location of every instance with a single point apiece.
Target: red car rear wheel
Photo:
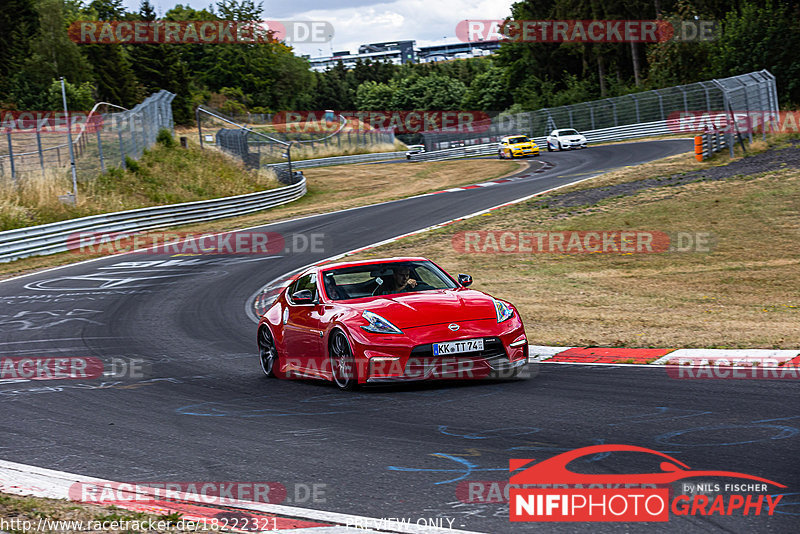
(267, 352)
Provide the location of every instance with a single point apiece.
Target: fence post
(685, 101)
(39, 148)
(100, 152)
(144, 137)
(132, 134)
(11, 157)
(121, 144)
(729, 140)
(199, 126)
(747, 105)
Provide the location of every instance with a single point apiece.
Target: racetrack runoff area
(726, 278)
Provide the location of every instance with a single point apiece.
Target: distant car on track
(414, 149)
(565, 140)
(512, 146)
(386, 320)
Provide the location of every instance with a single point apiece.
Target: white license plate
(455, 347)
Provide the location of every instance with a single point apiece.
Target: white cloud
(424, 21)
(358, 22)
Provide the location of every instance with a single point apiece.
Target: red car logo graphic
(554, 470)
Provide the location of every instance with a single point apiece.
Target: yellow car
(517, 146)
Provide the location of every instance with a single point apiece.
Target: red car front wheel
(343, 364)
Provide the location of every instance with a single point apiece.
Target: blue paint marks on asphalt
(492, 433)
(662, 413)
(784, 504)
(779, 432)
(466, 469)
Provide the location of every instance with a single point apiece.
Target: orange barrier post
(698, 147)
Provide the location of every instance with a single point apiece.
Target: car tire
(500, 154)
(267, 353)
(549, 148)
(343, 365)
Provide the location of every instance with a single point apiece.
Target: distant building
(399, 52)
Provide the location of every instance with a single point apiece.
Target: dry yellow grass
(743, 294)
(333, 188)
(163, 176)
(29, 511)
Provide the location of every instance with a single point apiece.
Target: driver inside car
(400, 282)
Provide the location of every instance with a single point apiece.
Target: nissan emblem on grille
(453, 327)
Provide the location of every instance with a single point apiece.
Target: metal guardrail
(709, 142)
(54, 237)
(460, 152)
(340, 160)
(604, 135)
(755, 91)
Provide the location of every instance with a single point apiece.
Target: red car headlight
(379, 325)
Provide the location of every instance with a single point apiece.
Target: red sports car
(389, 320)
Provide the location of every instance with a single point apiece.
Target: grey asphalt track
(203, 412)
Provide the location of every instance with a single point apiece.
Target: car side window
(308, 281)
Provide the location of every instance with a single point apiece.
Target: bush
(132, 165)
(165, 138)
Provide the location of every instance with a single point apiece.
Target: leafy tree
(674, 62)
(336, 89)
(79, 97)
(18, 22)
(372, 95)
(115, 80)
(240, 9)
(488, 92)
(50, 55)
(761, 36)
(159, 66)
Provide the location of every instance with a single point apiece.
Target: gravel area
(770, 160)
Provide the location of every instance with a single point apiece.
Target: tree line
(35, 51)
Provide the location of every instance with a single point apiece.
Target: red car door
(302, 329)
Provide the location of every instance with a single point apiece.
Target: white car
(565, 140)
(414, 149)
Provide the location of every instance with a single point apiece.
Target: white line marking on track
(21, 479)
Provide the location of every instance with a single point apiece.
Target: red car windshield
(384, 279)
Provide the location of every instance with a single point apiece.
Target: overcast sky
(357, 22)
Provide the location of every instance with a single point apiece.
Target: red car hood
(425, 308)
